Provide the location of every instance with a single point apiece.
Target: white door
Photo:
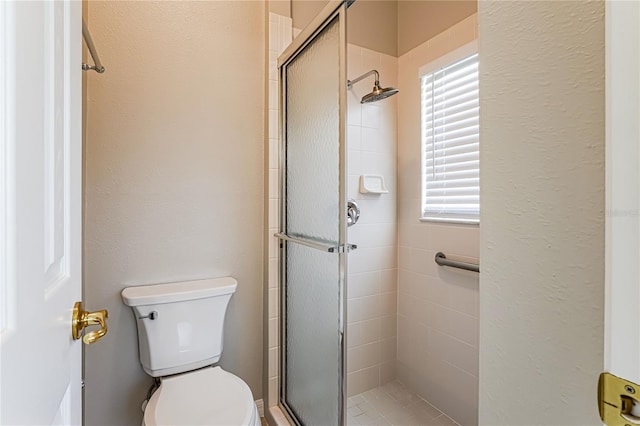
(40, 211)
(622, 313)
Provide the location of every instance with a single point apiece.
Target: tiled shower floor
(393, 404)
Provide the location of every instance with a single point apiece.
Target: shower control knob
(353, 212)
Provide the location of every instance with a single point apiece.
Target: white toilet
(180, 338)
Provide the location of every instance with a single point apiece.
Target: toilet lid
(209, 396)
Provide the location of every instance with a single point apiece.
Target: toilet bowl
(209, 396)
(180, 335)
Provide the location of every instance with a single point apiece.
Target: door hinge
(616, 399)
(345, 248)
(82, 383)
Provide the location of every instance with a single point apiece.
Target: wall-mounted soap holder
(372, 184)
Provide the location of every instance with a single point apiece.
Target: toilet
(180, 329)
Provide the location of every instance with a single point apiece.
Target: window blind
(450, 140)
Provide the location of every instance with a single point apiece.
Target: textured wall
(542, 270)
(174, 178)
(437, 307)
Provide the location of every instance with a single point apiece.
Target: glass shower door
(313, 223)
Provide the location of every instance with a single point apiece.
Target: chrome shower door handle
(353, 212)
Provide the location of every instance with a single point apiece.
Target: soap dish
(372, 184)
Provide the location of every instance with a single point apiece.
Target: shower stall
(349, 339)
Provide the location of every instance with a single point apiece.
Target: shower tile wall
(280, 36)
(372, 285)
(437, 307)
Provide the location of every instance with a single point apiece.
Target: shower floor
(393, 404)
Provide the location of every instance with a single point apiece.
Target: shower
(378, 93)
(377, 334)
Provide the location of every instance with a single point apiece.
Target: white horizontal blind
(450, 140)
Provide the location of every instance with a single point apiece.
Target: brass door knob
(82, 319)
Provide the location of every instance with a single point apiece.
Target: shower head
(378, 93)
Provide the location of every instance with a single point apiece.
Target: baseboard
(260, 405)
(275, 417)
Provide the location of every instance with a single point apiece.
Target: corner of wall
(279, 37)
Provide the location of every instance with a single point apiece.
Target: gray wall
(174, 178)
(542, 252)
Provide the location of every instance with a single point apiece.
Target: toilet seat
(209, 396)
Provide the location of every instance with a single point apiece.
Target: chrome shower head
(378, 93)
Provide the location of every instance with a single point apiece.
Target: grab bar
(92, 50)
(442, 260)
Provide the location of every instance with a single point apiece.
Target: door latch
(616, 399)
(82, 319)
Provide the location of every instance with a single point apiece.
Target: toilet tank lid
(178, 291)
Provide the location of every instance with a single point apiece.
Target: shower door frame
(334, 9)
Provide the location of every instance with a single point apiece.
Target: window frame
(431, 67)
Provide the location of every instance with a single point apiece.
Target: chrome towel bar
(442, 260)
(97, 67)
(317, 245)
(308, 243)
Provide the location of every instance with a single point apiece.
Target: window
(450, 138)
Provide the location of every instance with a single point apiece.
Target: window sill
(449, 220)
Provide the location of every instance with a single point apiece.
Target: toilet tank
(180, 324)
